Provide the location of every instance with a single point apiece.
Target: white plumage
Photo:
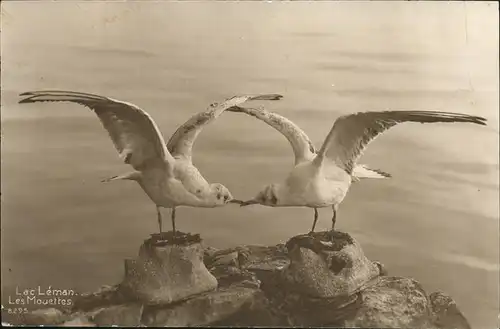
(164, 171)
(322, 178)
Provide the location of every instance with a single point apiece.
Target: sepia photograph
(250, 164)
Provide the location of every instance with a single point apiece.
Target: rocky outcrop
(391, 302)
(327, 265)
(445, 312)
(42, 317)
(319, 279)
(167, 270)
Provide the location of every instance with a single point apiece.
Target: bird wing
(302, 146)
(351, 134)
(181, 142)
(133, 132)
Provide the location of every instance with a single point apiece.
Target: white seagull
(164, 171)
(322, 178)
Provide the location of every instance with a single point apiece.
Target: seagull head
(267, 197)
(222, 195)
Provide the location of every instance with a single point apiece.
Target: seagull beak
(248, 203)
(236, 201)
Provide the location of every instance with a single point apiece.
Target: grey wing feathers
(133, 132)
(302, 146)
(351, 134)
(181, 142)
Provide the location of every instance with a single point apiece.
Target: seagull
(322, 178)
(164, 171)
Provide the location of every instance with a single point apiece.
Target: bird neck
(134, 175)
(208, 198)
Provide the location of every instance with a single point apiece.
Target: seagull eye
(219, 196)
(226, 197)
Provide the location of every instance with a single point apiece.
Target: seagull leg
(173, 221)
(159, 217)
(315, 220)
(334, 218)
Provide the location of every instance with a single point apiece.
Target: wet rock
(326, 265)
(128, 315)
(446, 313)
(391, 302)
(201, 310)
(47, 316)
(166, 272)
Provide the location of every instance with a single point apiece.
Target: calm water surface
(436, 220)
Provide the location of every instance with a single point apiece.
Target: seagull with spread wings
(164, 171)
(322, 178)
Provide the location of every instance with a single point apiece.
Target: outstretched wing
(302, 146)
(181, 142)
(132, 130)
(351, 134)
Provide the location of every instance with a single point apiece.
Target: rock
(202, 310)
(392, 302)
(208, 254)
(127, 315)
(326, 265)
(46, 316)
(228, 259)
(381, 268)
(446, 313)
(257, 312)
(79, 320)
(387, 302)
(237, 290)
(225, 265)
(317, 280)
(231, 257)
(266, 263)
(228, 275)
(105, 296)
(166, 272)
(168, 238)
(265, 259)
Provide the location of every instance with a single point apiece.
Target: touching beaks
(248, 203)
(236, 201)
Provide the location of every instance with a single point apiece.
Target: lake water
(436, 220)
